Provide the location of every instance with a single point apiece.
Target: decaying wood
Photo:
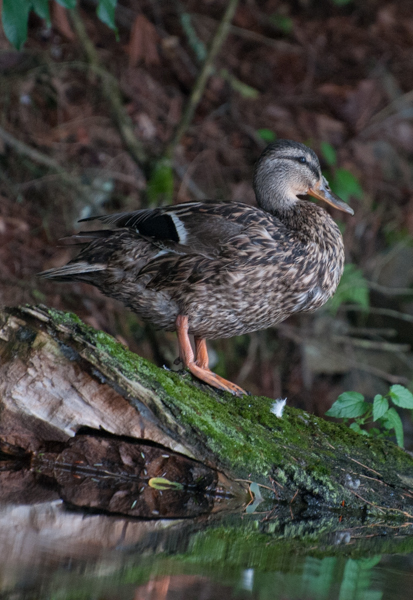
(59, 376)
(49, 391)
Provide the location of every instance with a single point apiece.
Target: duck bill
(322, 192)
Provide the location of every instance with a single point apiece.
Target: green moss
(301, 452)
(264, 544)
(65, 318)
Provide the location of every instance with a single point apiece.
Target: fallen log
(60, 378)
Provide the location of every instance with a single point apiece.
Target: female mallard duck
(218, 269)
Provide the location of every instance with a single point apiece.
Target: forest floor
(338, 78)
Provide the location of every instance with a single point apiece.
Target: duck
(218, 269)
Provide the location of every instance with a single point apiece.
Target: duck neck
(272, 193)
(311, 222)
(286, 207)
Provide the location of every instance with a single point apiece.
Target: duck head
(287, 169)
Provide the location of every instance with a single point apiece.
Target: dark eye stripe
(309, 165)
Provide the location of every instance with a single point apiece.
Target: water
(48, 550)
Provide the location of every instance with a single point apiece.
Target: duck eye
(302, 159)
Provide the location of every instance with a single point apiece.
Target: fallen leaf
(60, 21)
(142, 44)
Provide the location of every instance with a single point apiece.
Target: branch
(111, 92)
(371, 344)
(43, 159)
(253, 36)
(389, 291)
(203, 76)
(290, 332)
(386, 312)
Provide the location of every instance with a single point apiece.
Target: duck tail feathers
(77, 271)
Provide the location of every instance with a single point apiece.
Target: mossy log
(59, 376)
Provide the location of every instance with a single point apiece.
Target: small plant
(283, 23)
(161, 183)
(239, 86)
(196, 44)
(267, 135)
(15, 16)
(342, 181)
(353, 288)
(351, 405)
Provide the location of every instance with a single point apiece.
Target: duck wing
(188, 228)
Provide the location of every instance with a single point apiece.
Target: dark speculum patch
(160, 227)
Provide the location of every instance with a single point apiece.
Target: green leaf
(369, 563)
(41, 8)
(380, 406)
(14, 17)
(160, 483)
(391, 420)
(267, 135)
(106, 12)
(161, 182)
(239, 86)
(345, 185)
(401, 396)
(258, 498)
(356, 427)
(67, 3)
(352, 288)
(329, 153)
(195, 42)
(283, 23)
(350, 405)
(374, 432)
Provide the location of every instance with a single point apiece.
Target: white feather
(277, 407)
(180, 228)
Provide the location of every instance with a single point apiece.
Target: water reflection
(72, 527)
(48, 551)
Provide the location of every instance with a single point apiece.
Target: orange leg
(201, 353)
(199, 368)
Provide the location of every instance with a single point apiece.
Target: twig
(402, 512)
(290, 333)
(203, 76)
(365, 466)
(371, 344)
(367, 502)
(372, 479)
(372, 331)
(106, 172)
(276, 482)
(111, 92)
(392, 110)
(190, 184)
(294, 497)
(34, 155)
(386, 312)
(248, 363)
(389, 291)
(259, 484)
(43, 159)
(247, 34)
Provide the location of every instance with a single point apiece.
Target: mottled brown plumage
(219, 269)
